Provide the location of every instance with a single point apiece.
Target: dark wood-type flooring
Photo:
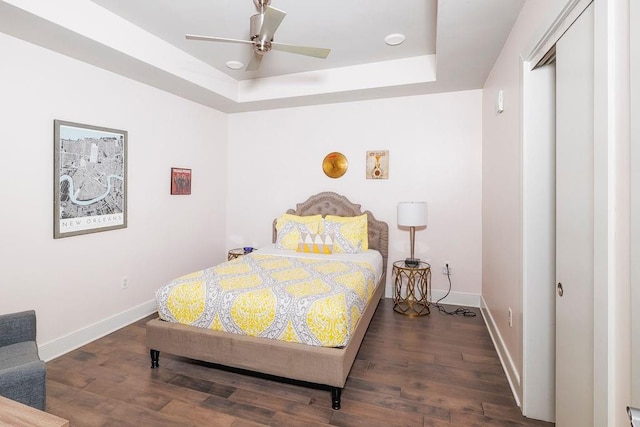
(437, 370)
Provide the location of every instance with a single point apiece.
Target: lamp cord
(460, 310)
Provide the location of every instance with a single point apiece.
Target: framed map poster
(90, 179)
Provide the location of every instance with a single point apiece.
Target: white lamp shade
(412, 214)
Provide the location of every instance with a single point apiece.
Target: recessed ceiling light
(235, 65)
(394, 39)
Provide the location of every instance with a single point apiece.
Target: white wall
(74, 283)
(635, 200)
(434, 144)
(612, 213)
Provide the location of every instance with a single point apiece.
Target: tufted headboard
(329, 203)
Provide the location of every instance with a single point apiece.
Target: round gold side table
(411, 288)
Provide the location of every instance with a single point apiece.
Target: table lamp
(412, 215)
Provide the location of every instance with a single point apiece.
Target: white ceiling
(450, 45)
(355, 34)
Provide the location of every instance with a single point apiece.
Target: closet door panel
(574, 223)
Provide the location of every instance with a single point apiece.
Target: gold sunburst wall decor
(335, 165)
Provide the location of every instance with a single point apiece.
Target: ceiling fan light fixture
(234, 65)
(394, 39)
(261, 47)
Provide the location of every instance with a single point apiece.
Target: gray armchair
(22, 373)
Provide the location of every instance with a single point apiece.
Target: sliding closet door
(574, 223)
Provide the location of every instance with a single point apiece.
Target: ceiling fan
(263, 26)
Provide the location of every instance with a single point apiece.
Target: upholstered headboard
(329, 203)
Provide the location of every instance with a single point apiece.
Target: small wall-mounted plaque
(180, 181)
(377, 165)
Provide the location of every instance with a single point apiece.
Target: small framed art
(180, 181)
(377, 165)
(89, 179)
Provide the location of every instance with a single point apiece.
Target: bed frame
(319, 365)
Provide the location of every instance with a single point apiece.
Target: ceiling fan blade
(254, 63)
(318, 52)
(216, 39)
(272, 19)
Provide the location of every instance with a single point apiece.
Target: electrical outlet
(510, 318)
(124, 284)
(446, 269)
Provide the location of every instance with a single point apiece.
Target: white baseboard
(83, 336)
(506, 360)
(454, 298)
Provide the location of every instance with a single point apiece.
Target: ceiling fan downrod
(261, 4)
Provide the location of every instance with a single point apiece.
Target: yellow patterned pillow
(316, 243)
(350, 233)
(290, 226)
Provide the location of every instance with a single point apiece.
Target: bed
(328, 366)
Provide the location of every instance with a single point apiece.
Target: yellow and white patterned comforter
(314, 301)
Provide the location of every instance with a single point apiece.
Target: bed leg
(155, 357)
(335, 397)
